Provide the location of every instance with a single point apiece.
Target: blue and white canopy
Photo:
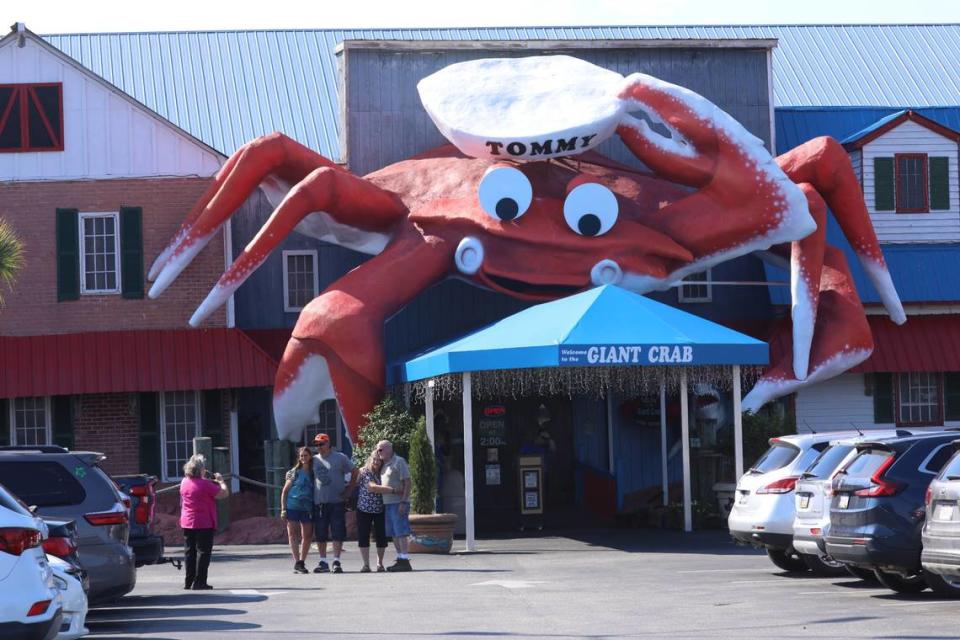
(605, 326)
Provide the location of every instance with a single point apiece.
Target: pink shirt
(198, 506)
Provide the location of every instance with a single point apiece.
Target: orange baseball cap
(321, 438)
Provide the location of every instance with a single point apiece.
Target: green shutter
(131, 252)
(939, 184)
(62, 421)
(4, 422)
(213, 417)
(68, 255)
(149, 435)
(883, 184)
(883, 398)
(951, 396)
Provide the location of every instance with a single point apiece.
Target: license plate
(804, 502)
(944, 512)
(844, 501)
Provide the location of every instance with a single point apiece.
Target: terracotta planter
(432, 533)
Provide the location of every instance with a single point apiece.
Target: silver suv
(71, 485)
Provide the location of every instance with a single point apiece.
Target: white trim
(227, 261)
(163, 432)
(316, 277)
(471, 542)
(876, 309)
(47, 418)
(706, 280)
(234, 450)
(83, 253)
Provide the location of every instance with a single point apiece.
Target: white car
(812, 520)
(31, 606)
(67, 580)
(763, 511)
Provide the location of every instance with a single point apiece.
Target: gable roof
(228, 87)
(892, 121)
(18, 32)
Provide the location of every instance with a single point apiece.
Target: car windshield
(867, 462)
(952, 468)
(779, 455)
(828, 461)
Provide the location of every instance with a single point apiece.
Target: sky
(77, 16)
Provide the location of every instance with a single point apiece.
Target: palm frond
(11, 255)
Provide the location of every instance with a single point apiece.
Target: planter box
(432, 533)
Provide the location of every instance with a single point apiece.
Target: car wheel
(823, 565)
(867, 575)
(787, 559)
(943, 585)
(896, 582)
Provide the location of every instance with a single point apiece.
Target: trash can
(726, 493)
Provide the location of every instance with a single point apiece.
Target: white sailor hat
(531, 108)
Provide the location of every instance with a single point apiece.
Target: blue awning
(605, 326)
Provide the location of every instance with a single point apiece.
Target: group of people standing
(314, 504)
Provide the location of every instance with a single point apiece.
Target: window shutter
(883, 398)
(4, 422)
(149, 435)
(213, 417)
(62, 421)
(939, 184)
(131, 252)
(68, 255)
(883, 184)
(951, 396)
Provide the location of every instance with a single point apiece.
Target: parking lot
(639, 583)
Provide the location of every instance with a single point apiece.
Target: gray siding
(386, 122)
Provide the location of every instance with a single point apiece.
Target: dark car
(63, 542)
(71, 485)
(877, 510)
(142, 489)
(941, 532)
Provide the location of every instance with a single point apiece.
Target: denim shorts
(330, 522)
(298, 515)
(397, 524)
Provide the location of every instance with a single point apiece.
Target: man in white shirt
(396, 475)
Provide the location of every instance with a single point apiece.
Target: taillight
(58, 546)
(880, 486)
(16, 540)
(143, 513)
(784, 485)
(928, 497)
(39, 608)
(139, 491)
(816, 531)
(107, 518)
(126, 502)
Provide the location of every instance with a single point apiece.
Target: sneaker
(380, 568)
(402, 564)
(322, 567)
(365, 569)
(299, 567)
(336, 567)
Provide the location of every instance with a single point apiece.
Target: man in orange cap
(334, 480)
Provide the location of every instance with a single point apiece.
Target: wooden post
(204, 446)
(221, 464)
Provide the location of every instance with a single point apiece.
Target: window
(300, 284)
(180, 424)
(329, 424)
(700, 290)
(42, 483)
(99, 255)
(937, 458)
(30, 421)
(911, 179)
(919, 399)
(779, 455)
(31, 117)
(866, 463)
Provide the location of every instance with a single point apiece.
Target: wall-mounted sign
(492, 427)
(531, 485)
(607, 354)
(493, 474)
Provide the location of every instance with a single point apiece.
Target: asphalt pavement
(618, 584)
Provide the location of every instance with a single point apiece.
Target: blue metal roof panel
(227, 87)
(796, 125)
(873, 127)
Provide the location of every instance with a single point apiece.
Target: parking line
(914, 603)
(723, 571)
(775, 580)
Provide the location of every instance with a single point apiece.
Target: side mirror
(33, 509)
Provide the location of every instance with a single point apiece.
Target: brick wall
(108, 423)
(32, 307)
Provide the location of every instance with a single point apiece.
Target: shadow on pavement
(661, 541)
(187, 598)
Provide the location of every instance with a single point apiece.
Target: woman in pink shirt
(198, 519)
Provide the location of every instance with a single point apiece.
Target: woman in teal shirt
(297, 501)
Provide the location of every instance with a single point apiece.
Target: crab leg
(806, 267)
(337, 345)
(841, 336)
(325, 189)
(824, 163)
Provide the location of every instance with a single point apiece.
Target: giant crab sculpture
(520, 204)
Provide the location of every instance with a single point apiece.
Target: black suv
(70, 485)
(877, 509)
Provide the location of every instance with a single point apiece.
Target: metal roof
(227, 87)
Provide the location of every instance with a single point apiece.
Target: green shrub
(388, 421)
(423, 469)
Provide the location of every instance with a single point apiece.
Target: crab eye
(505, 193)
(591, 209)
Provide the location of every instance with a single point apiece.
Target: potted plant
(432, 532)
